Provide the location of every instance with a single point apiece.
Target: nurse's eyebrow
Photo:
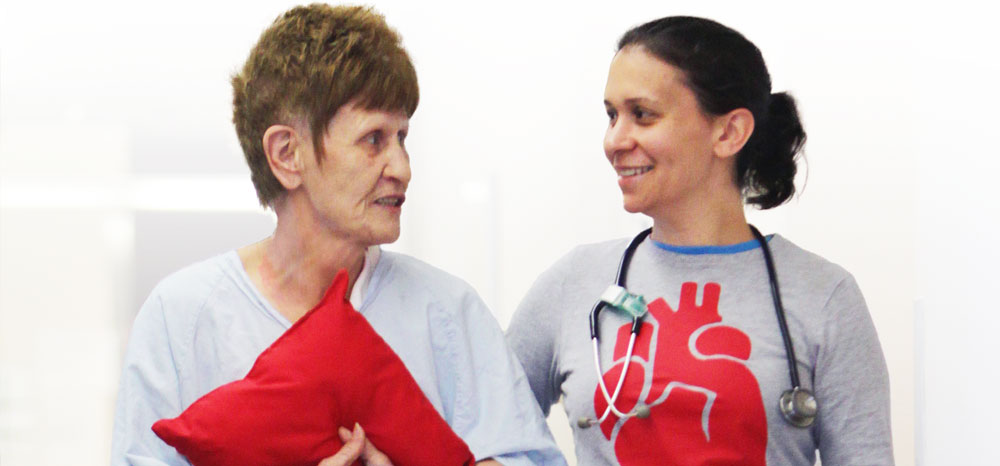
(634, 101)
(640, 101)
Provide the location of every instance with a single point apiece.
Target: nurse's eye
(402, 138)
(612, 115)
(640, 114)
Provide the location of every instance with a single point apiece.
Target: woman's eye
(640, 114)
(374, 138)
(612, 114)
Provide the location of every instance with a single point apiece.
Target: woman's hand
(356, 446)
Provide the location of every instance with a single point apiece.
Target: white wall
(118, 164)
(956, 250)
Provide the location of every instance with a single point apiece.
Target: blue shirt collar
(712, 249)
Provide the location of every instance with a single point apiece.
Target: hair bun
(771, 154)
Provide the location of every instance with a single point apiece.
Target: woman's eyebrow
(634, 101)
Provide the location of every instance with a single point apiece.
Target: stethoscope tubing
(620, 281)
(793, 370)
(621, 379)
(620, 277)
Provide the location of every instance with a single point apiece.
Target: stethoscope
(797, 405)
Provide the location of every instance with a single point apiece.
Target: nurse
(694, 135)
(322, 109)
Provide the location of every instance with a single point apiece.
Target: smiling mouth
(632, 171)
(390, 201)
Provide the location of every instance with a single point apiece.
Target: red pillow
(330, 369)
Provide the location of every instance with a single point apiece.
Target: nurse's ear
(732, 131)
(284, 150)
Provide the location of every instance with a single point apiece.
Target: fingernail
(357, 428)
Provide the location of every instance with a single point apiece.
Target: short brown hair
(311, 61)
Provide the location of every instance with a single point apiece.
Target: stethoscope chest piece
(799, 407)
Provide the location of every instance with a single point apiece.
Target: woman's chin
(385, 235)
(374, 235)
(632, 207)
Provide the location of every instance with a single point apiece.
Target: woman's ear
(732, 132)
(282, 146)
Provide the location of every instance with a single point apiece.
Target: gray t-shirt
(709, 360)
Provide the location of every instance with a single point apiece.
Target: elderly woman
(723, 366)
(322, 109)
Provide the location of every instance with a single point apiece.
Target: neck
(713, 221)
(295, 266)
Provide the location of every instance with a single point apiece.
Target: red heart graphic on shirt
(690, 370)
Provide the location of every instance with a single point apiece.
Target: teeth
(390, 201)
(633, 171)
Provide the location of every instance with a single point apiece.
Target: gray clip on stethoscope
(797, 405)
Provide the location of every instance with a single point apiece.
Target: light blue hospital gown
(205, 325)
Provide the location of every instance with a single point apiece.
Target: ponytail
(765, 168)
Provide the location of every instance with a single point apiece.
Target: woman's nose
(618, 138)
(398, 167)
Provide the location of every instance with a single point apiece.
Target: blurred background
(119, 165)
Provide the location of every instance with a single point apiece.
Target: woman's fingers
(373, 457)
(354, 446)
